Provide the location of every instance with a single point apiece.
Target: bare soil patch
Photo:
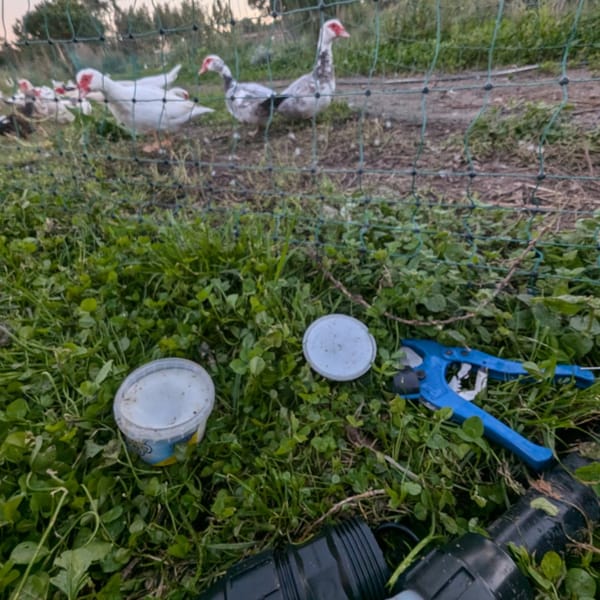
(415, 136)
(393, 139)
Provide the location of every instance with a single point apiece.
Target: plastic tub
(161, 404)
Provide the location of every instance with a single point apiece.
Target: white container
(339, 347)
(163, 403)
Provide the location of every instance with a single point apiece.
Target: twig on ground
(359, 440)
(129, 567)
(584, 547)
(350, 500)
(588, 160)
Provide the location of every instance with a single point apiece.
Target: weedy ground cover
(125, 259)
(97, 280)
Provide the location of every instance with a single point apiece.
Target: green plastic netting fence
(450, 190)
(477, 121)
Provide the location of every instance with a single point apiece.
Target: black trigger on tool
(406, 382)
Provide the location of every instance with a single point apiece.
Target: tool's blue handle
(534, 455)
(498, 368)
(435, 390)
(583, 377)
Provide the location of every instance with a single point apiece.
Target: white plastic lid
(164, 399)
(339, 347)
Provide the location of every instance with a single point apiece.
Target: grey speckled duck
(312, 93)
(251, 103)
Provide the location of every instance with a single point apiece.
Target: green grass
(107, 263)
(97, 282)
(524, 124)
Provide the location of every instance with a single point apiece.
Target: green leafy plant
(91, 294)
(223, 249)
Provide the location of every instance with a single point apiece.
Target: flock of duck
(152, 104)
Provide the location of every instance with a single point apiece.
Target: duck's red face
(24, 85)
(84, 83)
(338, 29)
(208, 61)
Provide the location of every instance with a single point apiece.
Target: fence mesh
(449, 191)
(466, 135)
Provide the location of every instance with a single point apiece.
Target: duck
(62, 88)
(144, 108)
(78, 104)
(310, 94)
(69, 96)
(18, 122)
(47, 104)
(162, 80)
(250, 103)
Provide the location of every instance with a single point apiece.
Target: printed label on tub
(159, 453)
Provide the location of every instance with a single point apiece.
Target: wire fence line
(434, 145)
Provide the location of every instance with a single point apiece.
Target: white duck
(47, 104)
(162, 80)
(69, 95)
(311, 94)
(70, 91)
(62, 88)
(142, 108)
(251, 103)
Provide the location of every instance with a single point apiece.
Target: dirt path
(458, 99)
(460, 142)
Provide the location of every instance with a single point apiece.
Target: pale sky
(11, 10)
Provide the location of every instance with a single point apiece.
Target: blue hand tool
(427, 382)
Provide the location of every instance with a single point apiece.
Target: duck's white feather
(162, 80)
(142, 108)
